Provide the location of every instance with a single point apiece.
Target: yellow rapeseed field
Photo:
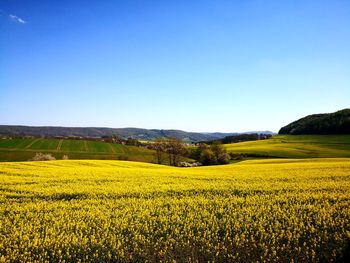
(115, 211)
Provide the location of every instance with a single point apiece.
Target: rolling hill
(91, 132)
(328, 123)
(25, 149)
(117, 211)
(295, 146)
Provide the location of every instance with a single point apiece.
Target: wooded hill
(97, 132)
(328, 123)
(94, 132)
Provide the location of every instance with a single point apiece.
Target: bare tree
(175, 148)
(159, 146)
(172, 147)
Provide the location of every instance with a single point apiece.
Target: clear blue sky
(190, 65)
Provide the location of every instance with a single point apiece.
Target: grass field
(296, 146)
(25, 149)
(260, 210)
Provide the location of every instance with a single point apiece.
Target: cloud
(17, 19)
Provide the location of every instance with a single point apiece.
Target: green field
(25, 149)
(275, 210)
(295, 146)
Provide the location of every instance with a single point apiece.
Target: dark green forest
(328, 123)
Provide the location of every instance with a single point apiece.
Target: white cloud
(17, 19)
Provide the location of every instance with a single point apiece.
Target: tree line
(173, 150)
(241, 138)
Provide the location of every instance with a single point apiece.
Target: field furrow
(86, 148)
(59, 145)
(111, 147)
(34, 141)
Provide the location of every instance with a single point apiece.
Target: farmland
(295, 146)
(281, 146)
(276, 210)
(25, 149)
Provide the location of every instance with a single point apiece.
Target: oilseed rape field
(295, 146)
(117, 211)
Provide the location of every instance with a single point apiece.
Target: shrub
(187, 164)
(43, 157)
(235, 156)
(224, 158)
(208, 157)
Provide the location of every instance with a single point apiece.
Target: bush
(43, 157)
(187, 164)
(208, 157)
(236, 156)
(224, 158)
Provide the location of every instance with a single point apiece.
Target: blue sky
(191, 65)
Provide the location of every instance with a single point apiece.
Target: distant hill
(328, 123)
(93, 132)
